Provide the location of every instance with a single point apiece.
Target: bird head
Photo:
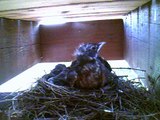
(89, 50)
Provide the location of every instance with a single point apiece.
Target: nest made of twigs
(124, 101)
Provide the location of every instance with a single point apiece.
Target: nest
(123, 100)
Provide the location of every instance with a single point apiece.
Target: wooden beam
(16, 4)
(72, 8)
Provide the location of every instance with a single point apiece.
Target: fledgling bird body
(89, 69)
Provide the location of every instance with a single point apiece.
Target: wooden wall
(58, 42)
(19, 47)
(142, 38)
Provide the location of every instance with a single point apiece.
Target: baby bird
(89, 70)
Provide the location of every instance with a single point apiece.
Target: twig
(129, 68)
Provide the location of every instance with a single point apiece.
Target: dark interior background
(58, 42)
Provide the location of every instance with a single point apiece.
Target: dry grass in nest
(123, 101)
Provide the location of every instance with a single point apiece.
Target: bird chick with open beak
(88, 70)
(89, 51)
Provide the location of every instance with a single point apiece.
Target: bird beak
(100, 44)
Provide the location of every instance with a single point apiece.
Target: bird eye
(93, 48)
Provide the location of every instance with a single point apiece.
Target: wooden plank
(142, 44)
(80, 19)
(155, 12)
(59, 42)
(18, 33)
(70, 10)
(80, 8)
(80, 14)
(19, 47)
(16, 60)
(16, 4)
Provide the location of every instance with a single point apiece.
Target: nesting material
(121, 101)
